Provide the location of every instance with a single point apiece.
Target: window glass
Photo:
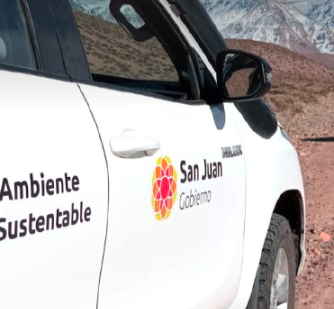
(15, 45)
(112, 51)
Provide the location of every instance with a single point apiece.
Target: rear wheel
(274, 286)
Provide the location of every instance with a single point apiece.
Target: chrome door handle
(132, 144)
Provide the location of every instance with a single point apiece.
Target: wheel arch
(288, 203)
(291, 206)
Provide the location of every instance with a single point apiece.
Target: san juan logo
(164, 191)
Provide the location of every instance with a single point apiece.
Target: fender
(272, 170)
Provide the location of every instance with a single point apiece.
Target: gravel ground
(315, 146)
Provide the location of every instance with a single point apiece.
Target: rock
(325, 237)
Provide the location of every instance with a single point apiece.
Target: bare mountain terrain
(323, 14)
(325, 59)
(275, 21)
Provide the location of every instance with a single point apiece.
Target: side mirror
(242, 76)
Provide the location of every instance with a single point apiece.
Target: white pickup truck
(140, 166)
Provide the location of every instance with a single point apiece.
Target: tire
(279, 246)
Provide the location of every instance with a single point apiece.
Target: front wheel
(274, 286)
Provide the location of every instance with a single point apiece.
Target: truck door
(176, 167)
(53, 174)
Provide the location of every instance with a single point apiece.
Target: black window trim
(138, 92)
(45, 37)
(69, 39)
(32, 34)
(45, 64)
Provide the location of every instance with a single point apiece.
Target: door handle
(132, 144)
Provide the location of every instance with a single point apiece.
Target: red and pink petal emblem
(164, 188)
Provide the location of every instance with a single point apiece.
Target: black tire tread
(279, 235)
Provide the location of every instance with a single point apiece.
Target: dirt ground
(315, 145)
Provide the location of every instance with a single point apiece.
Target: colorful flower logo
(164, 188)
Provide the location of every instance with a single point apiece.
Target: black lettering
(42, 184)
(75, 183)
(193, 173)
(190, 174)
(50, 222)
(66, 218)
(227, 152)
(59, 214)
(75, 215)
(204, 175)
(21, 190)
(12, 234)
(40, 223)
(5, 190)
(23, 228)
(67, 180)
(34, 187)
(196, 173)
(81, 212)
(220, 169)
(59, 185)
(214, 172)
(88, 213)
(209, 170)
(231, 152)
(184, 173)
(3, 232)
(31, 221)
(50, 187)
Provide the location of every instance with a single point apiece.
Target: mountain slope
(302, 5)
(273, 21)
(324, 14)
(287, 65)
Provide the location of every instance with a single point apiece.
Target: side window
(15, 44)
(113, 52)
